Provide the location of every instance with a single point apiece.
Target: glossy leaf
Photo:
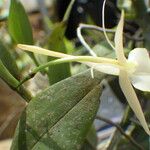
(60, 117)
(19, 25)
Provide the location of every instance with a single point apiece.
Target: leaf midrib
(59, 119)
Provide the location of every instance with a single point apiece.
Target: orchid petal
(51, 53)
(119, 40)
(132, 99)
(141, 81)
(141, 57)
(105, 68)
(39, 50)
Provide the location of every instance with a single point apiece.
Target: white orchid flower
(135, 69)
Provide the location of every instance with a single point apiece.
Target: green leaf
(6, 76)
(60, 117)
(8, 60)
(13, 82)
(56, 43)
(91, 140)
(19, 25)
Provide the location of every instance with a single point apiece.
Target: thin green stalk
(13, 82)
(121, 131)
(66, 60)
(6, 76)
(34, 59)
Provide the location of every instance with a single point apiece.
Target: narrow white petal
(141, 81)
(141, 57)
(119, 40)
(132, 99)
(105, 68)
(39, 50)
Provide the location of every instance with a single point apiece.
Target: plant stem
(121, 131)
(13, 82)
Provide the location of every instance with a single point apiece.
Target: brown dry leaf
(11, 106)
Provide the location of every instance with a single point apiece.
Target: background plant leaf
(104, 50)
(19, 25)
(56, 42)
(8, 60)
(7, 76)
(60, 116)
(127, 5)
(13, 82)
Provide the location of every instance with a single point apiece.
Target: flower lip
(141, 82)
(140, 56)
